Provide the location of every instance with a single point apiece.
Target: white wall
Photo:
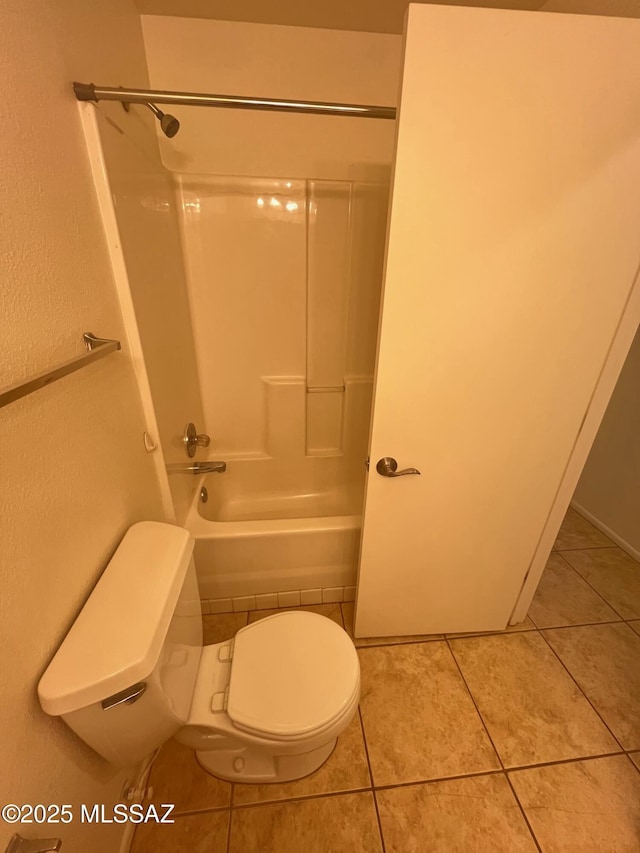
(260, 60)
(74, 471)
(609, 488)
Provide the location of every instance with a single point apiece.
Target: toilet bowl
(269, 704)
(264, 706)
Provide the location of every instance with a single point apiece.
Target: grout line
(376, 807)
(579, 625)
(302, 798)
(584, 625)
(632, 761)
(375, 800)
(428, 781)
(588, 583)
(495, 749)
(502, 770)
(456, 778)
(475, 704)
(588, 548)
(523, 812)
(472, 636)
(439, 638)
(566, 668)
(233, 788)
(204, 810)
(518, 767)
(391, 645)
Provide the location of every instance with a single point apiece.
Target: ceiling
(376, 16)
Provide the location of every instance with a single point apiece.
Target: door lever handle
(388, 467)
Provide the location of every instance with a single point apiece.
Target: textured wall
(74, 472)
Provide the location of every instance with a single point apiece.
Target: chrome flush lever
(125, 697)
(388, 467)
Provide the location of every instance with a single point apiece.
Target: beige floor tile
(348, 608)
(343, 824)
(532, 708)
(635, 757)
(577, 532)
(203, 833)
(419, 720)
(583, 806)
(474, 815)
(605, 661)
(222, 626)
(176, 777)
(331, 611)
(564, 598)
(346, 770)
(612, 573)
(635, 625)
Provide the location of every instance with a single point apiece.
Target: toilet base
(253, 765)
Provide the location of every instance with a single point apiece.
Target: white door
(513, 244)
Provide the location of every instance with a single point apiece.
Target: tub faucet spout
(210, 467)
(197, 468)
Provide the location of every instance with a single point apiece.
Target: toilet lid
(292, 674)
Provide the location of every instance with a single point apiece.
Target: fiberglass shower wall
(284, 221)
(284, 282)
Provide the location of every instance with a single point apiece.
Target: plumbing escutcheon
(192, 440)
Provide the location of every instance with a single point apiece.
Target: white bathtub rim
(201, 527)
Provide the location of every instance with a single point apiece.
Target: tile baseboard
(265, 601)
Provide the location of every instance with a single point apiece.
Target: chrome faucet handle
(18, 844)
(192, 440)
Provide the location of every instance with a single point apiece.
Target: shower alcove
(284, 280)
(250, 254)
(250, 248)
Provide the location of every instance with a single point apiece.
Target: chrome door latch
(388, 467)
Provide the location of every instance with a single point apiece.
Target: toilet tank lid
(117, 638)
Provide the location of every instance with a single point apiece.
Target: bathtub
(296, 543)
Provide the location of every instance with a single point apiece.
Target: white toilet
(264, 706)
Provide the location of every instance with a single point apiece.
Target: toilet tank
(124, 675)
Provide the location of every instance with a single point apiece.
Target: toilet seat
(293, 675)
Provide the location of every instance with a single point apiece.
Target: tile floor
(520, 741)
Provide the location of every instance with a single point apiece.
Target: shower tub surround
(284, 280)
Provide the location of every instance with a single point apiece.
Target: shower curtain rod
(89, 92)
